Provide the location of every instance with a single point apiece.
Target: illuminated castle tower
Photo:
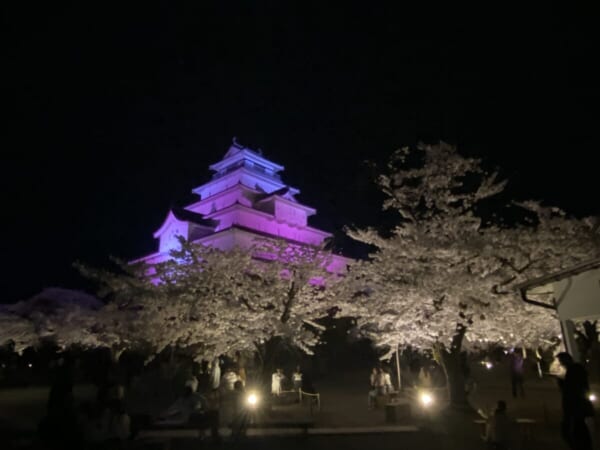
(245, 199)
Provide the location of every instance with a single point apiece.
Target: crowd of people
(102, 423)
(577, 428)
(501, 430)
(105, 423)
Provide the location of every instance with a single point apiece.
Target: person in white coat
(386, 382)
(276, 380)
(215, 374)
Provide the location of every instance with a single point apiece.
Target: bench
(397, 410)
(200, 423)
(267, 425)
(197, 426)
(382, 400)
(524, 425)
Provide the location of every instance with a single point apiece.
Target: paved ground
(345, 442)
(344, 406)
(344, 401)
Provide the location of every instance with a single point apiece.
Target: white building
(574, 294)
(245, 199)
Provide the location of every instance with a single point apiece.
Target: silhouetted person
(575, 404)
(62, 385)
(118, 423)
(60, 429)
(372, 388)
(190, 379)
(240, 418)
(500, 429)
(180, 411)
(424, 377)
(240, 362)
(517, 373)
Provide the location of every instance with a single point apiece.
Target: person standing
(241, 416)
(60, 428)
(297, 379)
(215, 374)
(191, 381)
(424, 377)
(387, 386)
(276, 380)
(516, 373)
(229, 379)
(241, 366)
(180, 411)
(118, 424)
(373, 379)
(380, 381)
(500, 429)
(576, 405)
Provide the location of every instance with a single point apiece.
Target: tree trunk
(594, 364)
(591, 330)
(289, 303)
(451, 363)
(590, 348)
(268, 353)
(260, 351)
(115, 354)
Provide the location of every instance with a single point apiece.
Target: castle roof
(190, 216)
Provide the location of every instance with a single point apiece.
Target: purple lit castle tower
(245, 199)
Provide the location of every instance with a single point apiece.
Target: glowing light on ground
(425, 398)
(252, 400)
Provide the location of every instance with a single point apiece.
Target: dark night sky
(115, 113)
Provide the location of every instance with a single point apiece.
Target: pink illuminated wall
(245, 199)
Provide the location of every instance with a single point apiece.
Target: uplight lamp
(252, 400)
(426, 399)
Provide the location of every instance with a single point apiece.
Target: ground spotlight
(592, 397)
(426, 399)
(252, 400)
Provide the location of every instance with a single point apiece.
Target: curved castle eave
(246, 197)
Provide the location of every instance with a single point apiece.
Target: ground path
(344, 405)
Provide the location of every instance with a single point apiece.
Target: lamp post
(398, 367)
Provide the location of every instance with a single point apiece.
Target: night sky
(114, 114)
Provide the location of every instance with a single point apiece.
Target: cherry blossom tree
(64, 316)
(219, 301)
(443, 279)
(16, 331)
